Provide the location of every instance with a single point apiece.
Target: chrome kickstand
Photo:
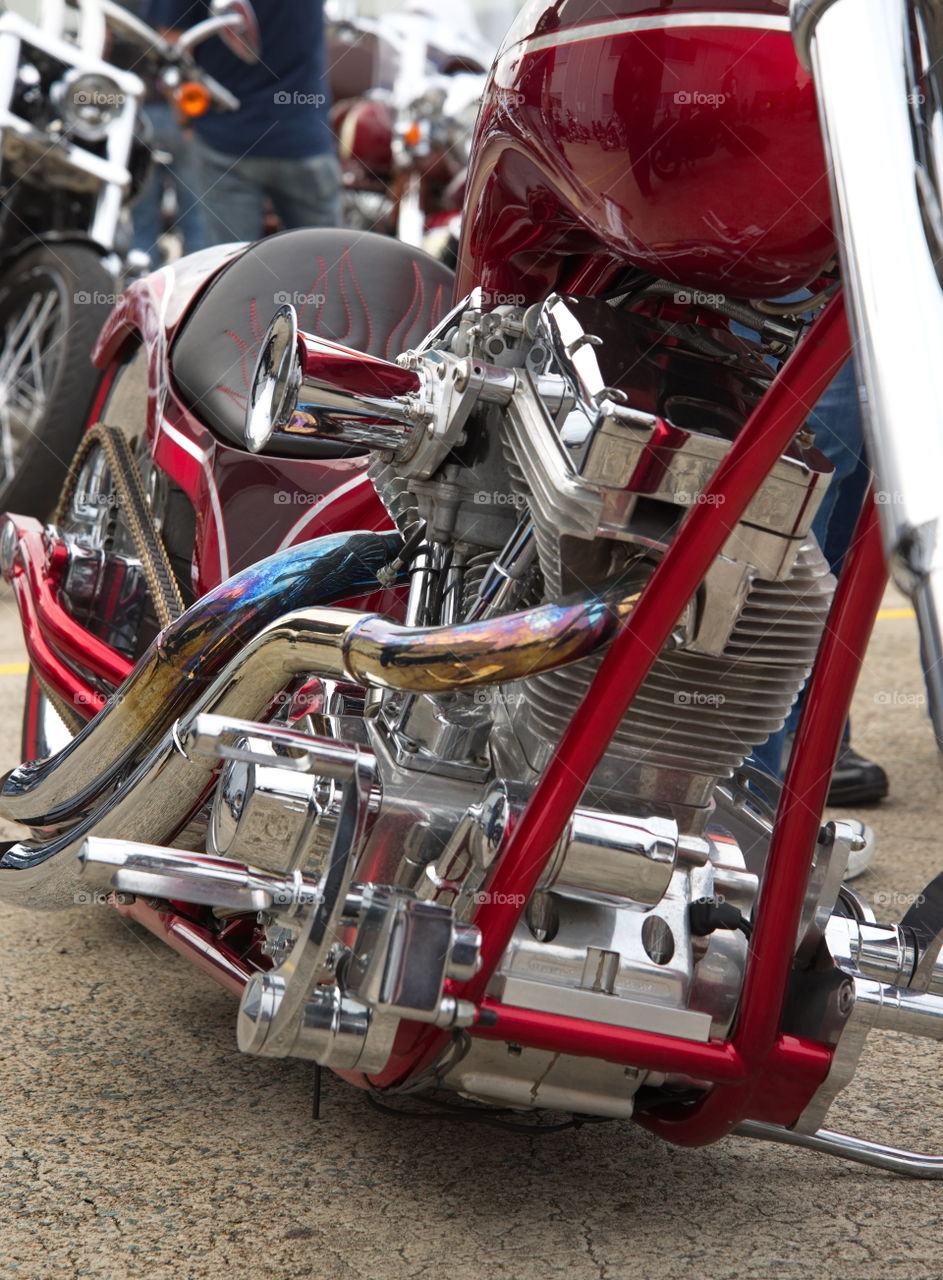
(907, 1163)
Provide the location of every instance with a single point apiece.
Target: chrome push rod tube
(879, 121)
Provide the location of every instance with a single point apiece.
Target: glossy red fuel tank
(680, 137)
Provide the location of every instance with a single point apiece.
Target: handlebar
(133, 28)
(177, 58)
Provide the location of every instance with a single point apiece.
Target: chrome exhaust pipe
(129, 775)
(876, 69)
(126, 774)
(181, 665)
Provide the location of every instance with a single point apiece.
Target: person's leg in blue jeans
(185, 175)
(305, 192)
(836, 423)
(183, 171)
(231, 194)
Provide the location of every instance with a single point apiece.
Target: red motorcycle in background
(406, 87)
(413, 632)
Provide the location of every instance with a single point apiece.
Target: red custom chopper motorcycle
(412, 647)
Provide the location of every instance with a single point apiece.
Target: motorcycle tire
(53, 301)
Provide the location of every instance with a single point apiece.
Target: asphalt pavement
(136, 1141)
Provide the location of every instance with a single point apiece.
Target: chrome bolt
(261, 997)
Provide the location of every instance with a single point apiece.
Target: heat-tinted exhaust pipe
(128, 775)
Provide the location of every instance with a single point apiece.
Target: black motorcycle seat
(367, 291)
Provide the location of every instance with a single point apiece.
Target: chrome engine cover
(603, 475)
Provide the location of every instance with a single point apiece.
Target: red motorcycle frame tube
(818, 737)
(758, 1050)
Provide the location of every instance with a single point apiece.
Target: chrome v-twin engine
(536, 463)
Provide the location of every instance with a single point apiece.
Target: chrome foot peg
(909, 1163)
(402, 954)
(157, 872)
(366, 955)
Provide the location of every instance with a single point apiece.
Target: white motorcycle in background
(72, 155)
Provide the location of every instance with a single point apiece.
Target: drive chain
(129, 492)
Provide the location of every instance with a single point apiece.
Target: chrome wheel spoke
(35, 345)
(16, 327)
(29, 341)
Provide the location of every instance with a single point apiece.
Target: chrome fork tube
(872, 115)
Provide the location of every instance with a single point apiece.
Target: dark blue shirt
(283, 97)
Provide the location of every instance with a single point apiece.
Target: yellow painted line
(21, 668)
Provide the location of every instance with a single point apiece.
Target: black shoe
(856, 780)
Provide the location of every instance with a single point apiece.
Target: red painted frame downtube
(55, 641)
(765, 436)
(825, 710)
(801, 1064)
(644, 1049)
(196, 944)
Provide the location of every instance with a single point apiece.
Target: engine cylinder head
(697, 716)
